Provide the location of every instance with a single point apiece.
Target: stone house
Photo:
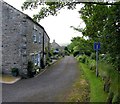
(56, 47)
(23, 40)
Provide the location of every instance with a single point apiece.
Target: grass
(96, 85)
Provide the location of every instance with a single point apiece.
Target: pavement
(51, 86)
(8, 79)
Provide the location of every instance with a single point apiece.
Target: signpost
(97, 48)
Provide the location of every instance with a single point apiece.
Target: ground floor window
(36, 59)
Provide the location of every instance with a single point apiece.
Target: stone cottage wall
(13, 27)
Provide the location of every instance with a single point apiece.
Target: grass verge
(96, 85)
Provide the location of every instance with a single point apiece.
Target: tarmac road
(51, 86)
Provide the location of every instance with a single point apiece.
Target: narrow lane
(48, 87)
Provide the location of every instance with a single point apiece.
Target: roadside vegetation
(105, 87)
(96, 85)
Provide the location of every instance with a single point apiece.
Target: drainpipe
(42, 63)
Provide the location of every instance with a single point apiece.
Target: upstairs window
(39, 37)
(34, 36)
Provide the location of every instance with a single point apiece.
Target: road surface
(51, 86)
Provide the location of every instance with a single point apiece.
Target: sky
(57, 27)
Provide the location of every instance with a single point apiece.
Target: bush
(15, 71)
(92, 65)
(79, 58)
(30, 69)
(92, 56)
(36, 69)
(48, 61)
(102, 57)
(116, 99)
(88, 53)
(75, 53)
(110, 97)
(83, 59)
(107, 84)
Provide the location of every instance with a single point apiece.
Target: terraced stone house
(23, 40)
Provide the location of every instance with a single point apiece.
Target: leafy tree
(51, 8)
(81, 46)
(102, 24)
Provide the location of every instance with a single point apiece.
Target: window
(39, 37)
(39, 59)
(34, 36)
(36, 59)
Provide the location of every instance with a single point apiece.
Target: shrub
(116, 99)
(75, 53)
(92, 56)
(92, 65)
(36, 70)
(48, 61)
(79, 58)
(107, 84)
(15, 71)
(110, 97)
(30, 69)
(102, 57)
(88, 53)
(83, 59)
(103, 74)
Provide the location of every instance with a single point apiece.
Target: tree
(102, 24)
(51, 8)
(81, 46)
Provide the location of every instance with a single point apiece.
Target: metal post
(97, 63)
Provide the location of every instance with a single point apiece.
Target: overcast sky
(57, 27)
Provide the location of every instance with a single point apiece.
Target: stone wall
(0, 37)
(12, 30)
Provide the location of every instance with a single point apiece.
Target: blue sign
(97, 46)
